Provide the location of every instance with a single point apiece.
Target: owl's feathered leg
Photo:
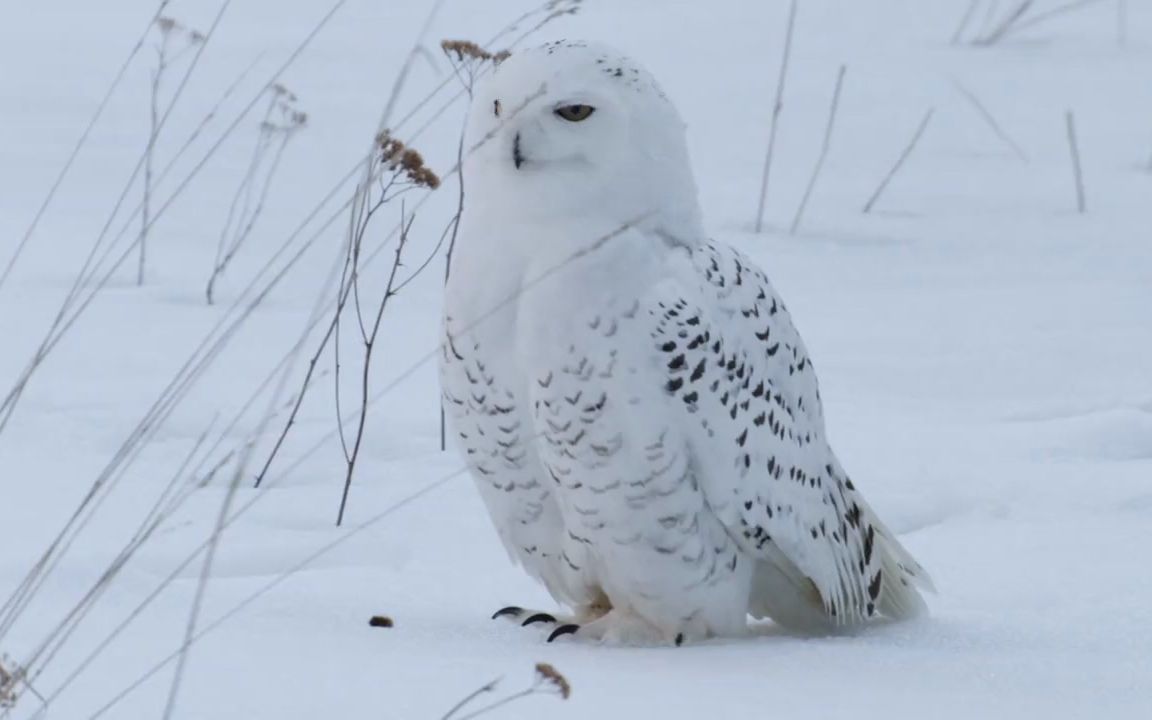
(623, 627)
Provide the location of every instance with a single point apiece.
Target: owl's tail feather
(782, 592)
(902, 580)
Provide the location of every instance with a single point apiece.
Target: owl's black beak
(517, 156)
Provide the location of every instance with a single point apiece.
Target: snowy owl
(632, 399)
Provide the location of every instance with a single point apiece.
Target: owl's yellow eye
(575, 113)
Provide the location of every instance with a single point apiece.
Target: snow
(983, 352)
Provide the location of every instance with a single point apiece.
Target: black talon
(563, 630)
(679, 639)
(538, 617)
(510, 610)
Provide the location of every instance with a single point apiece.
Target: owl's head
(572, 129)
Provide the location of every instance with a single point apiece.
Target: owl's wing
(739, 378)
(493, 432)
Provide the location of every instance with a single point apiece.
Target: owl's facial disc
(544, 142)
(575, 128)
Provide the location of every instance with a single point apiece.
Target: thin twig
(448, 262)
(900, 161)
(777, 107)
(194, 369)
(958, 33)
(1074, 150)
(86, 278)
(467, 699)
(149, 152)
(116, 80)
(280, 578)
(1047, 15)
(823, 151)
(217, 532)
(1005, 25)
(369, 346)
(396, 382)
(990, 120)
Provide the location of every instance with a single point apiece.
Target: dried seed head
(465, 48)
(411, 160)
(501, 56)
(166, 24)
(280, 91)
(196, 37)
(424, 176)
(390, 148)
(380, 621)
(550, 674)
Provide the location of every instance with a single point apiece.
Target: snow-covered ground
(984, 352)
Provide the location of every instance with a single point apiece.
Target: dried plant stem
(990, 120)
(1019, 19)
(1042, 17)
(908, 149)
(282, 370)
(150, 150)
(365, 376)
(207, 351)
(542, 277)
(238, 227)
(1002, 28)
(86, 277)
(276, 581)
(1074, 151)
(96, 115)
(827, 143)
(211, 346)
(332, 545)
(777, 107)
(217, 531)
(969, 13)
(467, 699)
(448, 262)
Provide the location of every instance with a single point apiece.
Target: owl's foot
(618, 627)
(525, 617)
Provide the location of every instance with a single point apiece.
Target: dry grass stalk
(282, 121)
(367, 336)
(169, 30)
(908, 149)
(1074, 151)
(990, 120)
(89, 281)
(965, 19)
(209, 349)
(467, 71)
(542, 277)
(1021, 18)
(547, 681)
(1005, 24)
(75, 152)
(824, 147)
(777, 107)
